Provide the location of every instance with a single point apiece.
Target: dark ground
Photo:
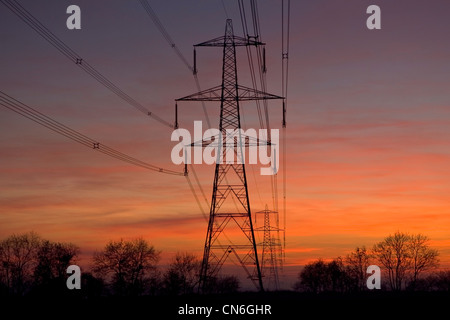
(284, 305)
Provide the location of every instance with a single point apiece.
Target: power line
(151, 13)
(194, 193)
(262, 77)
(250, 58)
(159, 25)
(42, 119)
(69, 53)
(198, 183)
(261, 67)
(285, 35)
(225, 9)
(284, 80)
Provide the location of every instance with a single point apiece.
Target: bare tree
(17, 261)
(393, 253)
(405, 256)
(357, 262)
(182, 275)
(423, 258)
(53, 258)
(129, 264)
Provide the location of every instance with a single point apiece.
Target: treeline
(407, 262)
(33, 266)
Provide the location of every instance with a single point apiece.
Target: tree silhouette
(393, 254)
(320, 276)
(313, 278)
(17, 262)
(182, 275)
(422, 257)
(53, 258)
(443, 281)
(128, 264)
(340, 277)
(405, 257)
(357, 262)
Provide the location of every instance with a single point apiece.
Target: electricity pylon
(230, 205)
(271, 248)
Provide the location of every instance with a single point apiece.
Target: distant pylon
(230, 205)
(271, 257)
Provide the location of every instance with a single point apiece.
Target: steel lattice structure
(271, 257)
(230, 180)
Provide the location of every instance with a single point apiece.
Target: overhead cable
(69, 53)
(9, 102)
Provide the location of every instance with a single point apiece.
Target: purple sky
(368, 122)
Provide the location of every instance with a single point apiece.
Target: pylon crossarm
(244, 94)
(212, 94)
(224, 40)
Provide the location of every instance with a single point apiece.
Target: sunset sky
(368, 132)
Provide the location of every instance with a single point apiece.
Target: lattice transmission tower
(230, 206)
(272, 250)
